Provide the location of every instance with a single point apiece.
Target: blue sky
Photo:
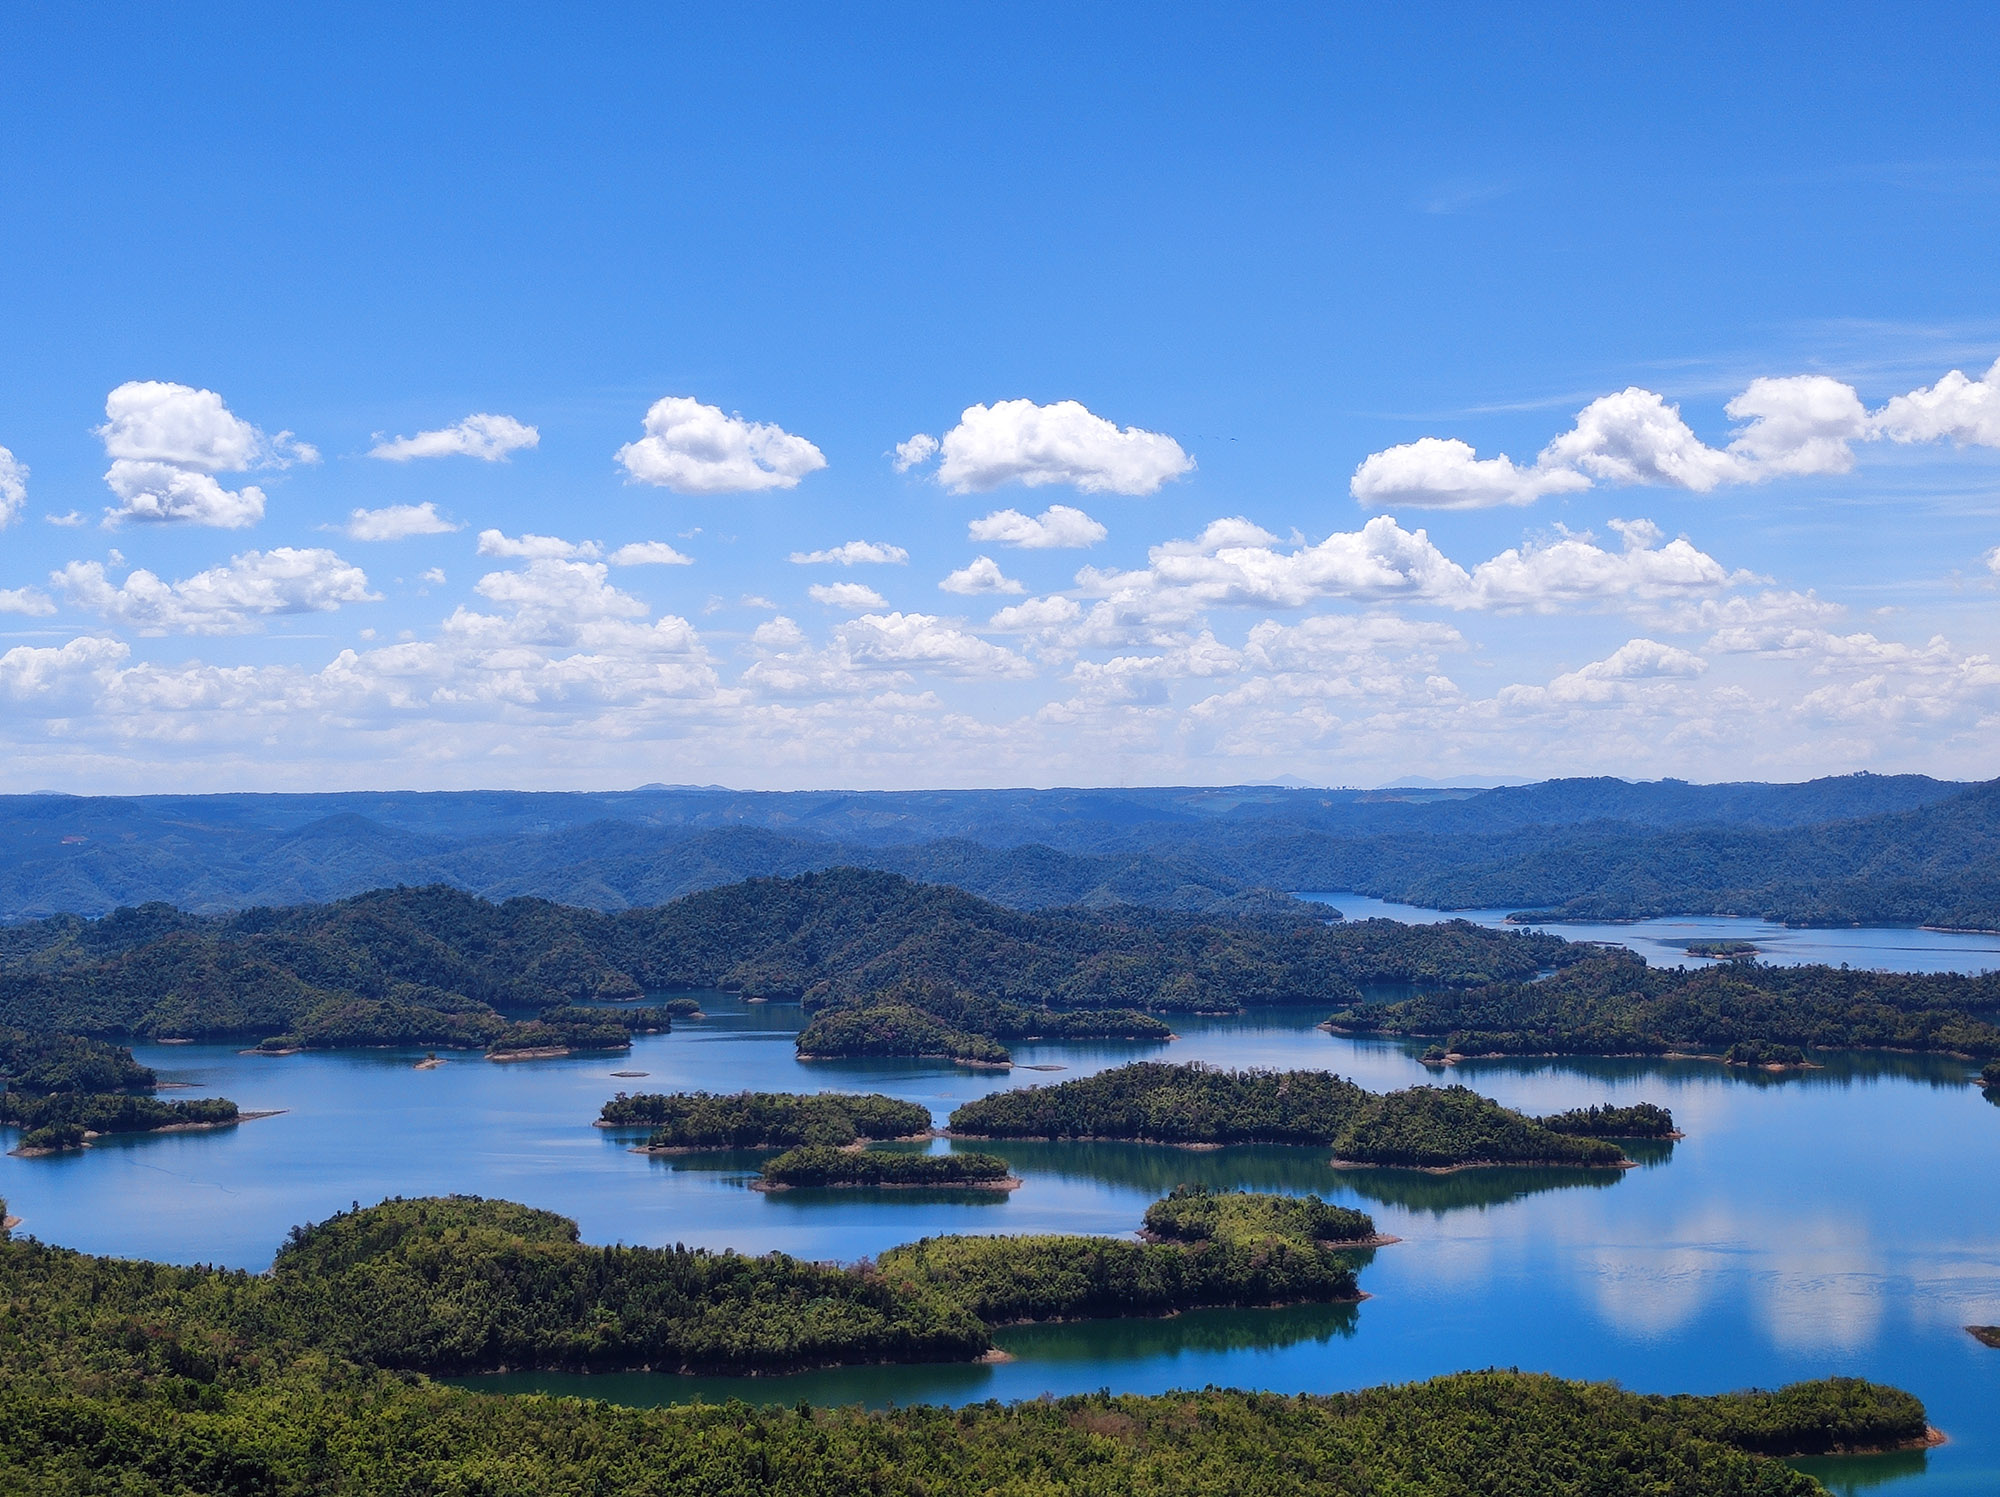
(1278, 262)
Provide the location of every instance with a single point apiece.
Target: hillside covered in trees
(155, 1381)
(438, 967)
(1856, 848)
(1615, 1004)
(1420, 1127)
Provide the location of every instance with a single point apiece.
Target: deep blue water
(1840, 1221)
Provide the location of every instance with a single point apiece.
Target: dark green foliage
(1641, 1120)
(327, 1435)
(66, 1063)
(1431, 1127)
(1153, 1102)
(110, 1112)
(1160, 1103)
(1763, 1053)
(819, 1165)
(764, 1120)
(1009, 1279)
(1614, 1004)
(1990, 1076)
(459, 1283)
(393, 966)
(1194, 1214)
(52, 1136)
(961, 1009)
(1722, 949)
(895, 1029)
(587, 1033)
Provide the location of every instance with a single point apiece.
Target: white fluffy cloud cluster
(167, 442)
(847, 595)
(853, 554)
(1059, 527)
(693, 448)
(396, 522)
(229, 599)
(13, 487)
(487, 437)
(1017, 441)
(1800, 424)
(980, 576)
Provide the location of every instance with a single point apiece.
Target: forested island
(1990, 1076)
(829, 1168)
(1640, 1120)
(438, 968)
(684, 1121)
(923, 1018)
(69, 1120)
(1613, 1003)
(1152, 1102)
(159, 1381)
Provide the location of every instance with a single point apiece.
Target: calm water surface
(1843, 1221)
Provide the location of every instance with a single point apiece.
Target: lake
(1840, 1221)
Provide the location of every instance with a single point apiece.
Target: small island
(683, 1122)
(899, 1030)
(1431, 1128)
(1640, 1120)
(70, 1120)
(1193, 1213)
(1989, 1077)
(1730, 951)
(820, 1167)
(1985, 1335)
(939, 1020)
(1767, 1056)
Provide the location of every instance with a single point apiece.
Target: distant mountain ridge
(1853, 849)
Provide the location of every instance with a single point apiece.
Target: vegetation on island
(1640, 1120)
(917, 1017)
(1152, 1102)
(41, 1063)
(1990, 1076)
(1985, 1335)
(821, 1165)
(61, 1120)
(1613, 1003)
(895, 1029)
(764, 1120)
(1195, 1214)
(1763, 1053)
(436, 967)
(1721, 950)
(161, 1381)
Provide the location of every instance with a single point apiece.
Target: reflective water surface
(1840, 1221)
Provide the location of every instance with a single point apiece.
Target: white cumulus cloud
(1017, 441)
(979, 576)
(167, 442)
(395, 522)
(1059, 527)
(921, 639)
(1956, 409)
(1445, 473)
(29, 600)
(222, 600)
(530, 547)
(649, 554)
(487, 437)
(846, 595)
(853, 554)
(693, 448)
(918, 449)
(13, 487)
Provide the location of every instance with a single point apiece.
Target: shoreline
(89, 1137)
(856, 1147)
(1009, 1182)
(972, 1065)
(1985, 1335)
(1484, 1164)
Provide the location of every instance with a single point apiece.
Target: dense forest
(64, 1120)
(1615, 1004)
(1640, 1120)
(437, 967)
(41, 1063)
(824, 1166)
(764, 1120)
(1192, 1213)
(927, 1018)
(1150, 1101)
(157, 1381)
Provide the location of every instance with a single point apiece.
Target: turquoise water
(1840, 1221)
